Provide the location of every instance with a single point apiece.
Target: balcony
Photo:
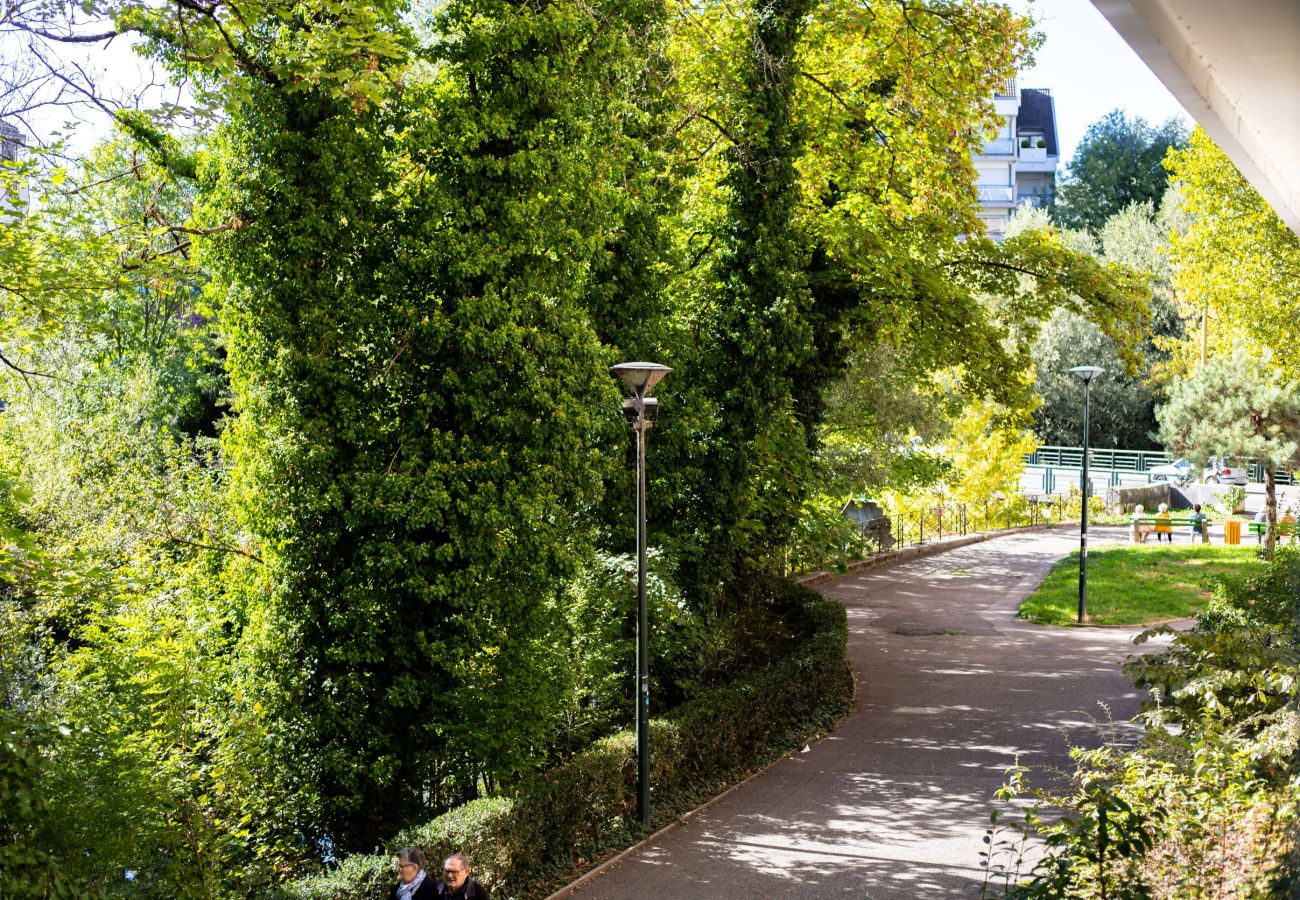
(999, 147)
(1039, 200)
(1033, 154)
(996, 195)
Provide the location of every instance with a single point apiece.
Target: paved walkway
(894, 803)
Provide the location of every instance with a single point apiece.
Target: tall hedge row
(584, 809)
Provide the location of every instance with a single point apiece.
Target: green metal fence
(1135, 461)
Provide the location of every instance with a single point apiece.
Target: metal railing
(947, 520)
(940, 521)
(1130, 461)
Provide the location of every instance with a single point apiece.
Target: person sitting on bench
(1140, 531)
(1163, 529)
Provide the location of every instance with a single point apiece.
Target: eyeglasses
(452, 871)
(401, 866)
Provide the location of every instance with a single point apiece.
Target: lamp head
(640, 377)
(1086, 373)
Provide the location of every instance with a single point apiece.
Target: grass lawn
(1137, 585)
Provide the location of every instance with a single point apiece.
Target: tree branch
(216, 548)
(66, 38)
(25, 373)
(995, 265)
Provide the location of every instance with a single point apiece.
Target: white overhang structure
(1234, 65)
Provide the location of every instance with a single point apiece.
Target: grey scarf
(407, 891)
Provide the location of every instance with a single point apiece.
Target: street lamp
(1085, 374)
(640, 378)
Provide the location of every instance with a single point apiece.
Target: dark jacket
(470, 890)
(428, 890)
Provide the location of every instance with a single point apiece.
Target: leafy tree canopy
(1123, 414)
(1122, 409)
(1118, 162)
(1233, 257)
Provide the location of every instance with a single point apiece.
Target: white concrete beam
(1234, 65)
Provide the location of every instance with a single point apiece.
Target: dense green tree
(116, 544)
(415, 381)
(419, 236)
(1122, 407)
(1119, 162)
(883, 200)
(1124, 414)
(417, 389)
(1237, 406)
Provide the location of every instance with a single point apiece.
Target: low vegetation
(582, 810)
(1138, 585)
(1206, 804)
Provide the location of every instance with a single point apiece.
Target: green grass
(1137, 585)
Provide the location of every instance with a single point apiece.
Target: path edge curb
(590, 876)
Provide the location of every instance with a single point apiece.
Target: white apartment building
(1019, 164)
(11, 146)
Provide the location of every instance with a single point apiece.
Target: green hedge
(583, 810)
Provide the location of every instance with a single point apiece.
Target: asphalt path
(894, 803)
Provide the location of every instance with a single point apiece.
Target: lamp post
(640, 378)
(1085, 374)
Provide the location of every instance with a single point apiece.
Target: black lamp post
(1085, 374)
(641, 377)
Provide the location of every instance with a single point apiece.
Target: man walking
(457, 883)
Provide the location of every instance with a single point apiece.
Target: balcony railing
(999, 147)
(996, 194)
(1005, 89)
(1041, 201)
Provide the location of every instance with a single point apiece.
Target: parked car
(1224, 470)
(1180, 471)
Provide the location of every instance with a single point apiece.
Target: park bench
(1144, 525)
(1283, 529)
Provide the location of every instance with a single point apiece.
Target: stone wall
(1122, 500)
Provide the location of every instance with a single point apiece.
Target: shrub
(1207, 807)
(578, 811)
(27, 869)
(823, 538)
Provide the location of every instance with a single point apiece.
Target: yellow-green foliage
(1234, 256)
(988, 453)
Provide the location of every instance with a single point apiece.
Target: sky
(1090, 71)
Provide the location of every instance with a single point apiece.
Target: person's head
(1139, 510)
(455, 870)
(410, 863)
(1196, 507)
(1164, 507)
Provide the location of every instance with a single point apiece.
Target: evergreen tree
(1237, 406)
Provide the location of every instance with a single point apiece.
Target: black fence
(946, 520)
(928, 523)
